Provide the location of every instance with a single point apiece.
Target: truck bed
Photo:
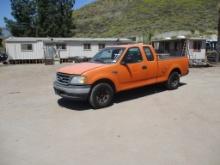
(167, 56)
(167, 62)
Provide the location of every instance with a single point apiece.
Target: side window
(149, 54)
(87, 46)
(133, 55)
(61, 46)
(197, 45)
(26, 47)
(101, 46)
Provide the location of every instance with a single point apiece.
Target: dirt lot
(145, 126)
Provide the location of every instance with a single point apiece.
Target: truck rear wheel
(173, 81)
(101, 95)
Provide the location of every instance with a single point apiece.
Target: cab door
(133, 67)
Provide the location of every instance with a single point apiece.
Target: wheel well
(176, 70)
(105, 81)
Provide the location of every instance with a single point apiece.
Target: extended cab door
(151, 64)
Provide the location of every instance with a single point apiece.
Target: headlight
(78, 80)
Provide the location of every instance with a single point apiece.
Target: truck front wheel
(101, 95)
(173, 81)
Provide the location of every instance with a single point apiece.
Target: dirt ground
(145, 126)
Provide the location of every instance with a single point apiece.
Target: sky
(5, 8)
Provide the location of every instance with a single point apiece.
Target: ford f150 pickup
(116, 69)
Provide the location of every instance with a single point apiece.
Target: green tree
(24, 13)
(54, 18)
(0, 31)
(218, 44)
(44, 18)
(65, 18)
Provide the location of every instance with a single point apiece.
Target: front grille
(63, 78)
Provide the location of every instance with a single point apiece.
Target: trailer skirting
(36, 61)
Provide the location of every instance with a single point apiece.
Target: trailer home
(195, 48)
(38, 50)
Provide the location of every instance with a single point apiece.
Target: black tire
(101, 95)
(173, 81)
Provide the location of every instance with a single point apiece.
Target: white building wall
(14, 51)
(77, 49)
(39, 50)
(74, 48)
(196, 55)
(92, 52)
(64, 53)
(10, 50)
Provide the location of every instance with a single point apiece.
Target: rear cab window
(149, 54)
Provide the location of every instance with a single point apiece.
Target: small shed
(195, 48)
(38, 50)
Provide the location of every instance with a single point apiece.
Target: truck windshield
(108, 55)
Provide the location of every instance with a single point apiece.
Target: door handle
(144, 67)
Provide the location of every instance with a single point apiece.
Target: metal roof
(51, 39)
(176, 39)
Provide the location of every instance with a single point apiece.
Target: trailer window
(87, 46)
(149, 54)
(166, 46)
(197, 45)
(101, 46)
(61, 46)
(26, 47)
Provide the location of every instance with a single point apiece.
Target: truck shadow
(120, 97)
(74, 105)
(141, 92)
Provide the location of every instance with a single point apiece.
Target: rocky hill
(109, 18)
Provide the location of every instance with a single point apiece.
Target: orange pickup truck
(116, 69)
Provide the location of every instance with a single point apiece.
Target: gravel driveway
(145, 126)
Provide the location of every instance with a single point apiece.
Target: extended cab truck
(116, 69)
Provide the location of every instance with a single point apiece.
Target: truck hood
(79, 69)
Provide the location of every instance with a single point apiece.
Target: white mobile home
(195, 48)
(36, 50)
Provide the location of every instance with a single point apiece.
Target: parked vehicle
(116, 69)
(211, 52)
(211, 45)
(3, 57)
